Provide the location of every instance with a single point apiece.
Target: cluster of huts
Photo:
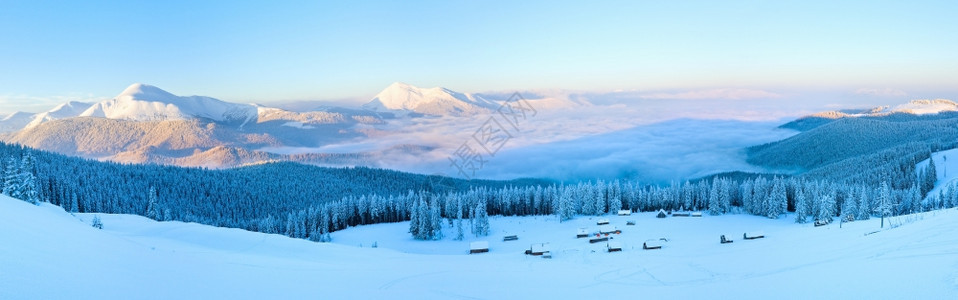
(606, 234)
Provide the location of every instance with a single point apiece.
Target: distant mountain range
(145, 124)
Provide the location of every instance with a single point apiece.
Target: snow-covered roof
(540, 248)
(606, 228)
(614, 245)
(653, 243)
(479, 245)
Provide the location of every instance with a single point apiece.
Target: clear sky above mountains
(254, 51)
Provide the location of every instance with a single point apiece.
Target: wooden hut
(602, 222)
(598, 240)
(625, 212)
(753, 235)
(510, 238)
(479, 247)
(652, 244)
(724, 240)
(614, 246)
(581, 233)
(661, 214)
(609, 229)
(538, 249)
(697, 214)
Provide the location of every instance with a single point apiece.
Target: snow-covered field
(46, 253)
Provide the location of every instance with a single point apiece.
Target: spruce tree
(774, 204)
(11, 178)
(801, 207)
(715, 206)
(29, 188)
(850, 206)
(152, 211)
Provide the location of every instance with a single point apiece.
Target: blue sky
(264, 51)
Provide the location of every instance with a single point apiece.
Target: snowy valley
(48, 253)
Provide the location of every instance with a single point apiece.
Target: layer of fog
(653, 140)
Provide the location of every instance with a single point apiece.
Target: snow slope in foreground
(48, 254)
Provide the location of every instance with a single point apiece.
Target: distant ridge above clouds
(919, 107)
(403, 98)
(141, 102)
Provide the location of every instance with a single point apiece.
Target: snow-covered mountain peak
(921, 107)
(146, 92)
(16, 116)
(66, 110)
(142, 102)
(404, 98)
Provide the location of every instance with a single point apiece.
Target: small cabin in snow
(608, 229)
(652, 244)
(625, 212)
(681, 214)
(539, 249)
(753, 235)
(598, 240)
(697, 214)
(479, 247)
(614, 246)
(661, 214)
(581, 233)
(725, 240)
(602, 222)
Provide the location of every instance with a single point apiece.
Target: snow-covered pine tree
(864, 205)
(459, 231)
(850, 206)
(746, 191)
(418, 222)
(11, 178)
(96, 223)
(801, 207)
(152, 209)
(884, 202)
(715, 198)
(435, 220)
(29, 188)
(615, 197)
(778, 196)
(931, 176)
(482, 219)
(824, 207)
(725, 195)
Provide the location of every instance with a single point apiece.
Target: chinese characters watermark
(495, 132)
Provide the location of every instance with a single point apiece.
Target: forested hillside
(850, 138)
(235, 197)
